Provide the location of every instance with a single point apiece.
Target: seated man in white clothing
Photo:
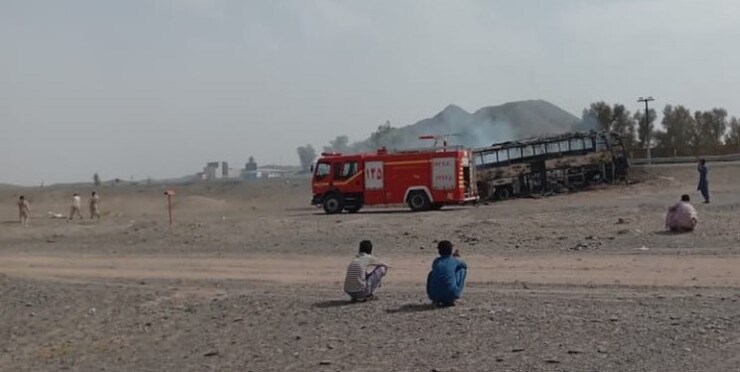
(364, 273)
(681, 217)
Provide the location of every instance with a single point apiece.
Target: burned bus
(545, 165)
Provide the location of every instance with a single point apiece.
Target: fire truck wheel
(333, 204)
(418, 201)
(437, 206)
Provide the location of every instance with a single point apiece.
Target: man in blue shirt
(703, 182)
(446, 280)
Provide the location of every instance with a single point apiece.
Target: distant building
(224, 169)
(209, 172)
(265, 173)
(251, 165)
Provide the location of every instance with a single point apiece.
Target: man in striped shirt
(364, 273)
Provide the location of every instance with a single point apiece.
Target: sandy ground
(249, 279)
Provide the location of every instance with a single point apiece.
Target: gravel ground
(246, 281)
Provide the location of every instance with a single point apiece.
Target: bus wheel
(333, 204)
(418, 201)
(437, 206)
(503, 193)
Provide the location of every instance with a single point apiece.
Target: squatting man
(445, 281)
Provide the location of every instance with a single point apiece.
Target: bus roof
(536, 140)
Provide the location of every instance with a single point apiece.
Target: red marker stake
(169, 194)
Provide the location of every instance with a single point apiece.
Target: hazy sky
(157, 88)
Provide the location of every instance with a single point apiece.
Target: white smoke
(483, 128)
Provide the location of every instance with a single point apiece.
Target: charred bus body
(549, 164)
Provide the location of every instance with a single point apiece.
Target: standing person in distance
(74, 210)
(703, 186)
(94, 205)
(24, 210)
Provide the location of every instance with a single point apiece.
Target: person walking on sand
(24, 210)
(75, 208)
(703, 186)
(446, 281)
(94, 205)
(681, 217)
(364, 274)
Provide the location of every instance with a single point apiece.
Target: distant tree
(599, 114)
(306, 154)
(383, 137)
(339, 144)
(679, 131)
(711, 127)
(96, 179)
(732, 138)
(645, 129)
(602, 116)
(624, 124)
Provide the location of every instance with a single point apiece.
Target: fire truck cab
(422, 179)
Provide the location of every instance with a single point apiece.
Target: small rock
(517, 349)
(324, 363)
(211, 353)
(552, 361)
(579, 247)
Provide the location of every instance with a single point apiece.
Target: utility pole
(647, 123)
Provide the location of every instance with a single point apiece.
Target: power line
(647, 124)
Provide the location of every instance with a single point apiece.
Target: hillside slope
(485, 126)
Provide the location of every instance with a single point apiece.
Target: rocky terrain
(249, 279)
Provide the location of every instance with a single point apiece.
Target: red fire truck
(424, 179)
